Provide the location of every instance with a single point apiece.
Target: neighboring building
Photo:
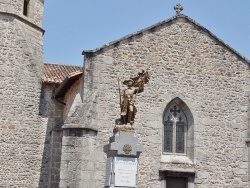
(193, 116)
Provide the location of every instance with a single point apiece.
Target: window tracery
(175, 130)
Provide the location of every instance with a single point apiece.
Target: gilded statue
(127, 96)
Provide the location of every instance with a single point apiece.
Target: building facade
(21, 67)
(193, 117)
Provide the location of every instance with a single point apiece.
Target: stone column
(123, 153)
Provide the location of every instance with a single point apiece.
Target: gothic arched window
(175, 130)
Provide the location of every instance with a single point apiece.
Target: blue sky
(74, 26)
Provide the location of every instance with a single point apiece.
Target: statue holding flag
(127, 96)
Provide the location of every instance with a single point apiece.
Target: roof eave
(64, 86)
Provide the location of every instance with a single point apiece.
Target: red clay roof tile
(56, 73)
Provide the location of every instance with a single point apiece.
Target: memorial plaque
(122, 152)
(125, 171)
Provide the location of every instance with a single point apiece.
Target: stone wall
(22, 130)
(184, 61)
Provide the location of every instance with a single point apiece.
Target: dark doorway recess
(176, 182)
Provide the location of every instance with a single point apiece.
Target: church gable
(170, 24)
(176, 46)
(181, 57)
(185, 62)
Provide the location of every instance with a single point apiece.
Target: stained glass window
(175, 130)
(180, 134)
(168, 136)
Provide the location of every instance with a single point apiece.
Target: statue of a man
(133, 86)
(128, 109)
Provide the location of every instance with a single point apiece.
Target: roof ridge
(51, 63)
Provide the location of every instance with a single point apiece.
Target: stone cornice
(23, 20)
(79, 126)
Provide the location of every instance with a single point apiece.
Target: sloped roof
(56, 73)
(85, 52)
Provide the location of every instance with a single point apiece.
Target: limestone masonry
(193, 117)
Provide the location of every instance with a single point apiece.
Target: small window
(25, 7)
(175, 130)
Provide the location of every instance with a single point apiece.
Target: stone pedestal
(123, 153)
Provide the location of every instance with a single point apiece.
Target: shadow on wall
(51, 112)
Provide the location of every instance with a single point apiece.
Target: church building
(190, 111)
